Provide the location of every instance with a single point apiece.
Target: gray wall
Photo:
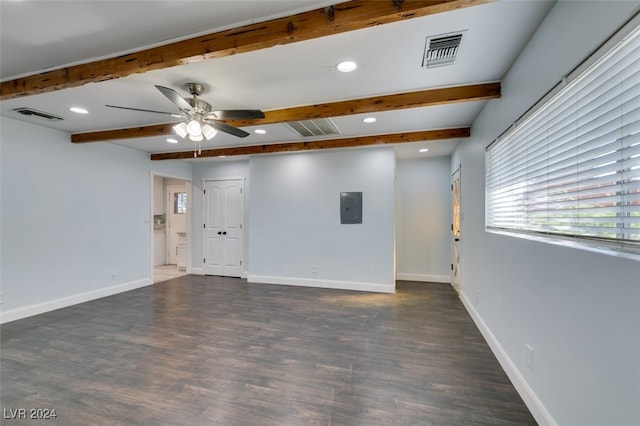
(578, 310)
(295, 219)
(76, 219)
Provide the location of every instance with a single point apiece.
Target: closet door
(223, 228)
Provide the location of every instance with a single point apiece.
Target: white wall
(76, 219)
(423, 219)
(578, 310)
(295, 219)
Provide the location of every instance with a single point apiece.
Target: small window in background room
(180, 203)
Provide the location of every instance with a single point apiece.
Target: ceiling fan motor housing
(201, 107)
(196, 89)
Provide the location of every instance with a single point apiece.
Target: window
(571, 167)
(180, 203)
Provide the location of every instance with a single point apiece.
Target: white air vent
(35, 113)
(315, 127)
(441, 50)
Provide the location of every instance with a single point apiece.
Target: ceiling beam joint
(331, 12)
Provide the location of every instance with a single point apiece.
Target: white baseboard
(196, 271)
(307, 282)
(64, 302)
(538, 410)
(427, 278)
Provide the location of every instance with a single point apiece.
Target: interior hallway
(166, 272)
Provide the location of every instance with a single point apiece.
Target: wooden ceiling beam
(352, 142)
(343, 17)
(393, 102)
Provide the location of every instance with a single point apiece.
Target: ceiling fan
(200, 120)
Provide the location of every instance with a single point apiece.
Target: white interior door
(176, 220)
(223, 228)
(455, 228)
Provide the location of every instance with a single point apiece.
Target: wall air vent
(35, 113)
(441, 50)
(315, 127)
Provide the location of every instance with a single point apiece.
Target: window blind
(572, 167)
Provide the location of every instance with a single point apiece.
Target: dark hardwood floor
(207, 350)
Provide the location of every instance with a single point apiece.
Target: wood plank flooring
(208, 350)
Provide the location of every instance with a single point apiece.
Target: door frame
(203, 182)
(149, 219)
(455, 239)
(168, 206)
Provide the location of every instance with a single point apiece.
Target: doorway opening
(456, 198)
(171, 222)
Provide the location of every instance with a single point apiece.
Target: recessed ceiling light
(78, 110)
(423, 150)
(369, 120)
(346, 66)
(222, 156)
(171, 140)
(260, 131)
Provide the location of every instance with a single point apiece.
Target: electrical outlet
(114, 276)
(477, 297)
(1, 299)
(529, 357)
(314, 269)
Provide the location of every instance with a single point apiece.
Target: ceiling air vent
(441, 50)
(316, 127)
(35, 113)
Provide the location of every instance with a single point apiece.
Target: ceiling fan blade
(175, 97)
(229, 114)
(146, 110)
(223, 127)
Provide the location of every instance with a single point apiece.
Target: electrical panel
(350, 207)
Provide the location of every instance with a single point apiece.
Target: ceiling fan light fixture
(194, 128)
(181, 129)
(196, 138)
(209, 132)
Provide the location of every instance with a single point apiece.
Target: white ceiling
(42, 35)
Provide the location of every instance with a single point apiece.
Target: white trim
(52, 305)
(427, 278)
(537, 408)
(307, 282)
(196, 271)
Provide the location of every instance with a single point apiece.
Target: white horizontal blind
(572, 168)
